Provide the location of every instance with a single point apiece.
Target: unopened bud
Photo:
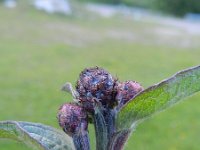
(126, 91)
(96, 84)
(72, 118)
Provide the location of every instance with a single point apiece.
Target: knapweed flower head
(98, 97)
(126, 91)
(72, 119)
(96, 84)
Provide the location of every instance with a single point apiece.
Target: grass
(40, 52)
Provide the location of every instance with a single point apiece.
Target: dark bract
(126, 91)
(96, 84)
(72, 118)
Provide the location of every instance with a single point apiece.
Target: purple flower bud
(73, 119)
(96, 84)
(126, 91)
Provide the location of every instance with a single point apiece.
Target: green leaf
(36, 135)
(159, 97)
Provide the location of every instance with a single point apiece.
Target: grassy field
(40, 52)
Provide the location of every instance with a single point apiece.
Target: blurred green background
(175, 7)
(40, 52)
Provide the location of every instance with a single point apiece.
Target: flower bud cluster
(95, 86)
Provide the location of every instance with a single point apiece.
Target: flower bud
(73, 119)
(126, 91)
(96, 84)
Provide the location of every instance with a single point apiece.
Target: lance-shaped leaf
(36, 135)
(159, 97)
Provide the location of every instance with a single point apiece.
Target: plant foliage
(38, 136)
(113, 125)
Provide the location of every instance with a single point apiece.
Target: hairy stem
(109, 115)
(81, 141)
(119, 140)
(100, 130)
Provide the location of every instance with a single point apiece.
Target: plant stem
(109, 115)
(100, 130)
(118, 140)
(81, 141)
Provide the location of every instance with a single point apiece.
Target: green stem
(100, 130)
(81, 141)
(109, 116)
